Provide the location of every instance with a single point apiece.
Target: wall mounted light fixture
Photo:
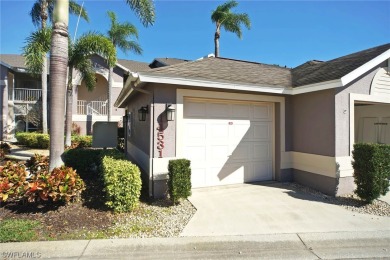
(170, 111)
(142, 113)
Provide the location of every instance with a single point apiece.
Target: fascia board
(127, 90)
(365, 67)
(317, 87)
(210, 84)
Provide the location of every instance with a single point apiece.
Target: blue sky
(283, 32)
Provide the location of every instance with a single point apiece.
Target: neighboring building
(240, 121)
(21, 95)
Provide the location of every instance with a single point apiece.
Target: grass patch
(18, 230)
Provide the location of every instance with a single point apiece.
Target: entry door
(228, 141)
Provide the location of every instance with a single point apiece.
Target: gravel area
(157, 219)
(350, 202)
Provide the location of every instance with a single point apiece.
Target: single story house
(240, 121)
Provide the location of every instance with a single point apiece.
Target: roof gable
(306, 74)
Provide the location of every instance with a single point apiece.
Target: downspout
(151, 151)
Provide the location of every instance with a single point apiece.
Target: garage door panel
(195, 109)
(242, 152)
(261, 131)
(262, 151)
(195, 153)
(218, 110)
(262, 111)
(219, 152)
(198, 177)
(218, 130)
(240, 129)
(195, 131)
(241, 111)
(262, 172)
(228, 174)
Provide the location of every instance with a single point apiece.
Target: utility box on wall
(105, 134)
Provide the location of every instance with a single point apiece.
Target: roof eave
(356, 73)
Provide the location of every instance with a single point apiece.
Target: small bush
(5, 147)
(371, 164)
(33, 140)
(83, 160)
(13, 184)
(62, 184)
(81, 141)
(18, 230)
(179, 182)
(122, 181)
(38, 164)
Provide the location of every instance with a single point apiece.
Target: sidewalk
(22, 153)
(331, 245)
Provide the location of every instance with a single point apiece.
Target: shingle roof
(170, 61)
(14, 60)
(134, 66)
(315, 72)
(228, 70)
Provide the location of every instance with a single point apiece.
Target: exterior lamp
(170, 110)
(142, 113)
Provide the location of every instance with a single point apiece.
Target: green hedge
(122, 181)
(42, 141)
(179, 182)
(33, 140)
(371, 164)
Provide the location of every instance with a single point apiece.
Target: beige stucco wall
(310, 117)
(342, 110)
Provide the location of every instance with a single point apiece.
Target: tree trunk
(216, 42)
(58, 71)
(44, 71)
(69, 108)
(44, 94)
(109, 94)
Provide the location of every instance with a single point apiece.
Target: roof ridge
(253, 62)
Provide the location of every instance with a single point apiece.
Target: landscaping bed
(90, 218)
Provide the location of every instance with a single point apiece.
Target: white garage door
(228, 141)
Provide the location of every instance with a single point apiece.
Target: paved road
(332, 245)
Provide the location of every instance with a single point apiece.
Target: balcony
(25, 95)
(85, 107)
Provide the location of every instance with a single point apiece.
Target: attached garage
(228, 141)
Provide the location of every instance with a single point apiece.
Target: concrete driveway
(271, 208)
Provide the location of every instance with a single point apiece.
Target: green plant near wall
(371, 164)
(179, 182)
(122, 181)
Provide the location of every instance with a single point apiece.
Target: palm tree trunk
(44, 71)
(44, 94)
(69, 108)
(216, 43)
(111, 71)
(58, 71)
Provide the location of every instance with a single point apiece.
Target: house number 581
(160, 141)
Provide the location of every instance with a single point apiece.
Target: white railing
(85, 107)
(27, 94)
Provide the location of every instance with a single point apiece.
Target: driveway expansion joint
(307, 248)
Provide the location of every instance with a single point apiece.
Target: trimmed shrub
(371, 164)
(13, 184)
(122, 181)
(62, 184)
(179, 182)
(83, 160)
(33, 140)
(81, 141)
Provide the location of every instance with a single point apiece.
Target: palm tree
(80, 59)
(144, 9)
(231, 22)
(40, 12)
(119, 35)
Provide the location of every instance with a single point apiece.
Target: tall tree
(79, 57)
(144, 9)
(40, 12)
(231, 22)
(120, 34)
